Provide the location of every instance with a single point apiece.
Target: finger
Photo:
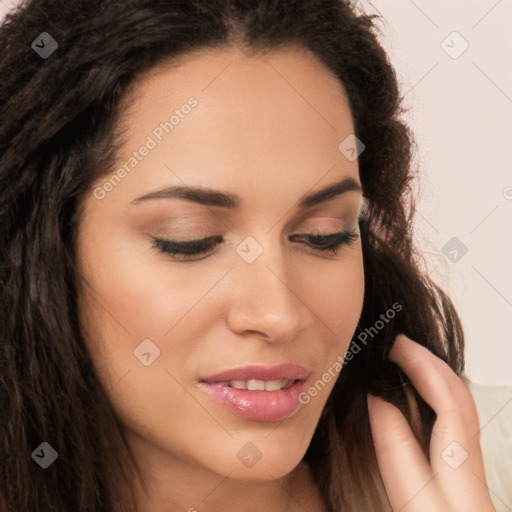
(406, 473)
(455, 453)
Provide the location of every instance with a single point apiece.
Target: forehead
(275, 120)
(286, 85)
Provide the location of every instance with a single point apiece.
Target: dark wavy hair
(59, 133)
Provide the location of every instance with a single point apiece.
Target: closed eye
(328, 242)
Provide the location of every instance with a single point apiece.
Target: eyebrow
(210, 197)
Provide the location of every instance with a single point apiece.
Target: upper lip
(261, 372)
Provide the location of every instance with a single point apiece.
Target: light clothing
(494, 406)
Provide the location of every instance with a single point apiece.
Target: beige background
(461, 113)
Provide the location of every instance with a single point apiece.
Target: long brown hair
(58, 134)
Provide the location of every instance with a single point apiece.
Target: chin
(265, 471)
(260, 458)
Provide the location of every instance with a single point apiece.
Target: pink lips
(258, 405)
(282, 371)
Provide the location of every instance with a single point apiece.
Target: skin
(254, 135)
(454, 479)
(266, 129)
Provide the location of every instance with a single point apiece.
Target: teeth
(273, 385)
(257, 385)
(238, 384)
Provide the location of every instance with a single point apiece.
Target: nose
(268, 300)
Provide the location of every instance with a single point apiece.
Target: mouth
(258, 393)
(258, 373)
(257, 385)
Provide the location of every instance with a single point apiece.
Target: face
(264, 134)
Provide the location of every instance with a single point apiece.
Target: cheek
(128, 303)
(136, 295)
(338, 293)
(338, 296)
(339, 302)
(139, 295)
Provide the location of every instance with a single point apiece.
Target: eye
(331, 242)
(186, 250)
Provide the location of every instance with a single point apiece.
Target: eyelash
(196, 247)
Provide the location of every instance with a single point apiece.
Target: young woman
(210, 296)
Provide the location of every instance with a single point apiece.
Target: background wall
(453, 58)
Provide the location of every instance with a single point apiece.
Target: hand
(448, 483)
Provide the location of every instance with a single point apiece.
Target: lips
(258, 393)
(286, 371)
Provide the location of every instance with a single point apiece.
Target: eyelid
(183, 250)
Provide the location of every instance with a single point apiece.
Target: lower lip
(257, 405)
